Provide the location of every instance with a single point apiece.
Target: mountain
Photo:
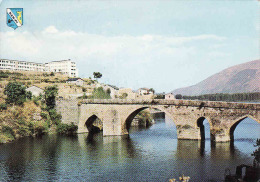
(236, 79)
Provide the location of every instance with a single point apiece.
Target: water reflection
(190, 149)
(222, 151)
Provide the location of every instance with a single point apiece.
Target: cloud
(50, 29)
(54, 44)
(138, 56)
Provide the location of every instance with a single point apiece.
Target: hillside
(236, 79)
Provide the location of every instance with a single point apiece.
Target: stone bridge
(116, 115)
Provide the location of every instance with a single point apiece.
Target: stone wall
(69, 110)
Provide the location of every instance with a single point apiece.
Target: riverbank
(19, 121)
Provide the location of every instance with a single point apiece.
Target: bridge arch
(239, 120)
(200, 124)
(132, 113)
(93, 123)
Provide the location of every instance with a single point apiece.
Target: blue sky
(157, 44)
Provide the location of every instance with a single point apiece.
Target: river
(152, 154)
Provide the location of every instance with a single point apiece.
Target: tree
(256, 153)
(178, 96)
(29, 95)
(16, 93)
(152, 90)
(123, 96)
(108, 91)
(97, 75)
(50, 94)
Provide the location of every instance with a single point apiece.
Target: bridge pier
(219, 136)
(188, 132)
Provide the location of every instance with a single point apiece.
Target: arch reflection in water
(102, 148)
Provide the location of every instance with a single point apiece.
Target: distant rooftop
(73, 79)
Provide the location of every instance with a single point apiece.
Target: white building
(65, 66)
(15, 65)
(169, 96)
(145, 91)
(76, 81)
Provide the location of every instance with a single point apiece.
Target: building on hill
(145, 91)
(113, 90)
(76, 81)
(66, 67)
(14, 65)
(169, 96)
(36, 91)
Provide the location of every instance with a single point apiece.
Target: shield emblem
(14, 17)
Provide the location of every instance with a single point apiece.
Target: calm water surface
(152, 154)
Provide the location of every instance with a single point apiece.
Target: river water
(152, 154)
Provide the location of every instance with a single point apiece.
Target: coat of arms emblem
(14, 17)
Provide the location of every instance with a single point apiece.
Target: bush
(36, 102)
(41, 128)
(67, 129)
(99, 93)
(123, 96)
(256, 153)
(3, 74)
(3, 106)
(29, 95)
(24, 130)
(55, 116)
(178, 96)
(16, 93)
(44, 115)
(8, 132)
(50, 95)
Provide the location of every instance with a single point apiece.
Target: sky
(163, 45)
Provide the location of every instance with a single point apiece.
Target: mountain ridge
(240, 78)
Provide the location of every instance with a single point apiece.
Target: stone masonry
(117, 114)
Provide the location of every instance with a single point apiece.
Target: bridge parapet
(194, 103)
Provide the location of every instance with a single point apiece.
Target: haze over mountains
(236, 79)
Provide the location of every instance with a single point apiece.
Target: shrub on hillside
(55, 117)
(8, 132)
(123, 96)
(67, 129)
(29, 95)
(3, 74)
(99, 93)
(50, 94)
(41, 128)
(3, 106)
(16, 93)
